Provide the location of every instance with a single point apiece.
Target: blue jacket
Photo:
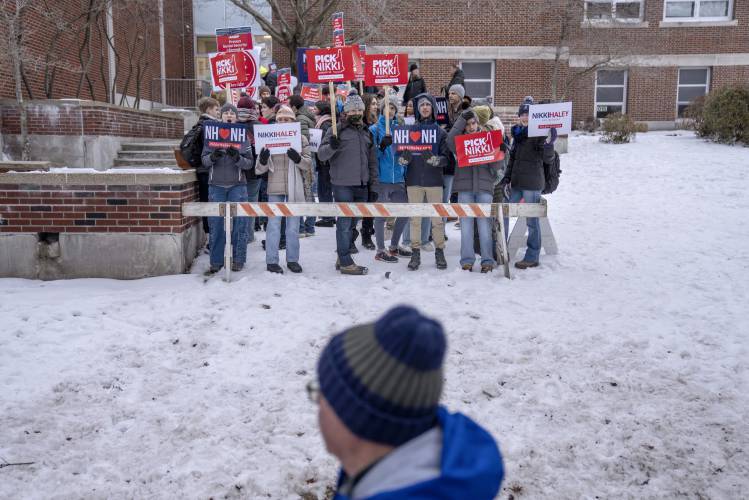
(391, 172)
(454, 460)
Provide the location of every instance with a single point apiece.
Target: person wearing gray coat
(474, 184)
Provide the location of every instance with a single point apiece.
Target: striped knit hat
(384, 379)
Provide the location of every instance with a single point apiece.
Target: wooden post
(499, 213)
(227, 247)
(333, 108)
(386, 106)
(229, 98)
(361, 88)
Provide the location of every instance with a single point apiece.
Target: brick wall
(90, 118)
(95, 208)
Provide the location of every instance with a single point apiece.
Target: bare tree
(306, 23)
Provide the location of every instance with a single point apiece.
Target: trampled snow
(618, 369)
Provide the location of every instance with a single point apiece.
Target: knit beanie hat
(245, 102)
(384, 379)
(228, 107)
(285, 112)
(525, 106)
(392, 100)
(353, 103)
(458, 89)
(483, 113)
(412, 67)
(323, 107)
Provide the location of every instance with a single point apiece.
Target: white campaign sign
(315, 138)
(542, 117)
(278, 137)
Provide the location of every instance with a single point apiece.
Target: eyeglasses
(313, 391)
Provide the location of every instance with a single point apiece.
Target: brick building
(101, 50)
(648, 58)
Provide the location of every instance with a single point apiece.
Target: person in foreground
(379, 414)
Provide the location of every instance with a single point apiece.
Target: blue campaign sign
(220, 135)
(301, 65)
(417, 138)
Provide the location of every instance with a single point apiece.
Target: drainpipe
(162, 50)
(112, 90)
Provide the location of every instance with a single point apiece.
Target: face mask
(355, 119)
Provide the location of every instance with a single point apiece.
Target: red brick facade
(31, 208)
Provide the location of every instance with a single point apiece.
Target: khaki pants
(419, 194)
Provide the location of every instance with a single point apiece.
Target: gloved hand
(552, 137)
(386, 142)
(431, 160)
(217, 154)
(233, 153)
(264, 155)
(405, 158)
(335, 142)
(294, 155)
(467, 114)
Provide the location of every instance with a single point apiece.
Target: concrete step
(146, 154)
(149, 146)
(146, 162)
(144, 167)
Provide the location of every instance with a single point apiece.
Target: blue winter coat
(391, 172)
(457, 459)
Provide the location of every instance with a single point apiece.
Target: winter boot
(467, 267)
(294, 267)
(274, 268)
(236, 267)
(403, 251)
(415, 262)
(486, 268)
(439, 257)
(525, 264)
(366, 241)
(386, 257)
(354, 270)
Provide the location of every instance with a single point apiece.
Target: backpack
(552, 171)
(191, 145)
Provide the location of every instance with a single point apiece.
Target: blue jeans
(253, 194)
(273, 235)
(426, 227)
(238, 226)
(533, 251)
(486, 242)
(343, 225)
(447, 189)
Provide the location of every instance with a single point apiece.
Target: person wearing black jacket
(424, 180)
(458, 78)
(416, 85)
(524, 177)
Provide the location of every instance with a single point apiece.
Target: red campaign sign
(234, 69)
(479, 148)
(311, 93)
(337, 21)
(339, 39)
(284, 76)
(385, 69)
(330, 65)
(234, 39)
(283, 93)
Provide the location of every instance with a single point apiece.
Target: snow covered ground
(618, 369)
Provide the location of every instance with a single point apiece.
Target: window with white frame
(611, 92)
(698, 10)
(614, 10)
(693, 83)
(479, 78)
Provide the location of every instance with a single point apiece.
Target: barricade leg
(519, 232)
(502, 255)
(228, 247)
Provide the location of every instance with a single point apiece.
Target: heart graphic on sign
(415, 135)
(224, 133)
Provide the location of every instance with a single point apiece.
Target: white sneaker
(429, 247)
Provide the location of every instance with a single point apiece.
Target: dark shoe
(274, 268)
(439, 257)
(325, 223)
(294, 267)
(486, 268)
(282, 244)
(214, 269)
(467, 267)
(415, 262)
(367, 243)
(236, 267)
(402, 251)
(258, 228)
(384, 256)
(354, 270)
(525, 264)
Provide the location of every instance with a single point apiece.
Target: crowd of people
(357, 162)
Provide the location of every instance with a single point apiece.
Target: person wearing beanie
(524, 178)
(415, 86)
(227, 178)
(306, 119)
(424, 179)
(458, 78)
(248, 114)
(264, 92)
(285, 184)
(392, 187)
(352, 154)
(378, 389)
(324, 186)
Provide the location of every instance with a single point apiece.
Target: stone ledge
(20, 166)
(104, 178)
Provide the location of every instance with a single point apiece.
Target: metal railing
(178, 92)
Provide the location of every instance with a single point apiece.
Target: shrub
(724, 116)
(619, 129)
(590, 124)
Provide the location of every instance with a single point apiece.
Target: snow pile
(616, 369)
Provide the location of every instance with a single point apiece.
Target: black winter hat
(413, 67)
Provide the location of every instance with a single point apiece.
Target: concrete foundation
(99, 255)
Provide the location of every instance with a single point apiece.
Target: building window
(611, 92)
(698, 10)
(613, 10)
(479, 79)
(693, 83)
